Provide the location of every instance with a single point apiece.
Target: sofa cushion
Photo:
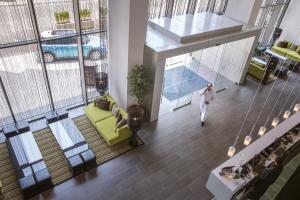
(95, 114)
(107, 128)
(281, 51)
(293, 55)
(110, 134)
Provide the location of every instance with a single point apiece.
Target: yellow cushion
(107, 129)
(293, 55)
(96, 114)
(280, 50)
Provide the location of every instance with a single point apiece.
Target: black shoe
(202, 123)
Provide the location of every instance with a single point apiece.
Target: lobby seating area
(31, 170)
(68, 147)
(288, 49)
(149, 100)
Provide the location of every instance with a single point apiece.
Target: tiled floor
(178, 153)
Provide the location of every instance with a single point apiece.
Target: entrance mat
(181, 81)
(54, 157)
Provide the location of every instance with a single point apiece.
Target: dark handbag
(206, 102)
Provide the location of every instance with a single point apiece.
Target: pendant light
(262, 130)
(247, 140)
(286, 114)
(275, 121)
(231, 151)
(297, 107)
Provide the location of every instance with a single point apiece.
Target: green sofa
(287, 52)
(1, 190)
(105, 123)
(256, 70)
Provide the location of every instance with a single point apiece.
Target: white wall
(127, 36)
(245, 11)
(290, 23)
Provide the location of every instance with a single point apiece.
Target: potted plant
(62, 17)
(85, 14)
(85, 19)
(139, 85)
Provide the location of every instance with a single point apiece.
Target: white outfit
(206, 96)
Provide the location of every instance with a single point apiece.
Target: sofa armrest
(124, 128)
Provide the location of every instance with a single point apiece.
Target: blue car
(67, 48)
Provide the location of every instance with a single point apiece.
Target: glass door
(231, 63)
(189, 80)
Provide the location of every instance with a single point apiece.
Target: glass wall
(45, 48)
(24, 82)
(187, 74)
(269, 17)
(167, 8)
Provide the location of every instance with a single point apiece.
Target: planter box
(69, 25)
(86, 25)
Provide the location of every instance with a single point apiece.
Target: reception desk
(223, 187)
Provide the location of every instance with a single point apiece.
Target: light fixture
(247, 140)
(231, 151)
(286, 114)
(297, 107)
(262, 131)
(275, 122)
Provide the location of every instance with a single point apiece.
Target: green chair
(256, 70)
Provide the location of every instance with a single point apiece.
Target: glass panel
(93, 15)
(15, 23)
(188, 80)
(61, 57)
(95, 63)
(24, 82)
(54, 18)
(233, 58)
(5, 116)
(268, 18)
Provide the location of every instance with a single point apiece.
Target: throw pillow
(119, 118)
(294, 47)
(102, 103)
(282, 44)
(115, 110)
(97, 100)
(121, 123)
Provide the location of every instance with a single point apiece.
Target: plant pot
(69, 25)
(135, 117)
(87, 24)
(135, 122)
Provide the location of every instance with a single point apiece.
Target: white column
(290, 24)
(245, 11)
(127, 35)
